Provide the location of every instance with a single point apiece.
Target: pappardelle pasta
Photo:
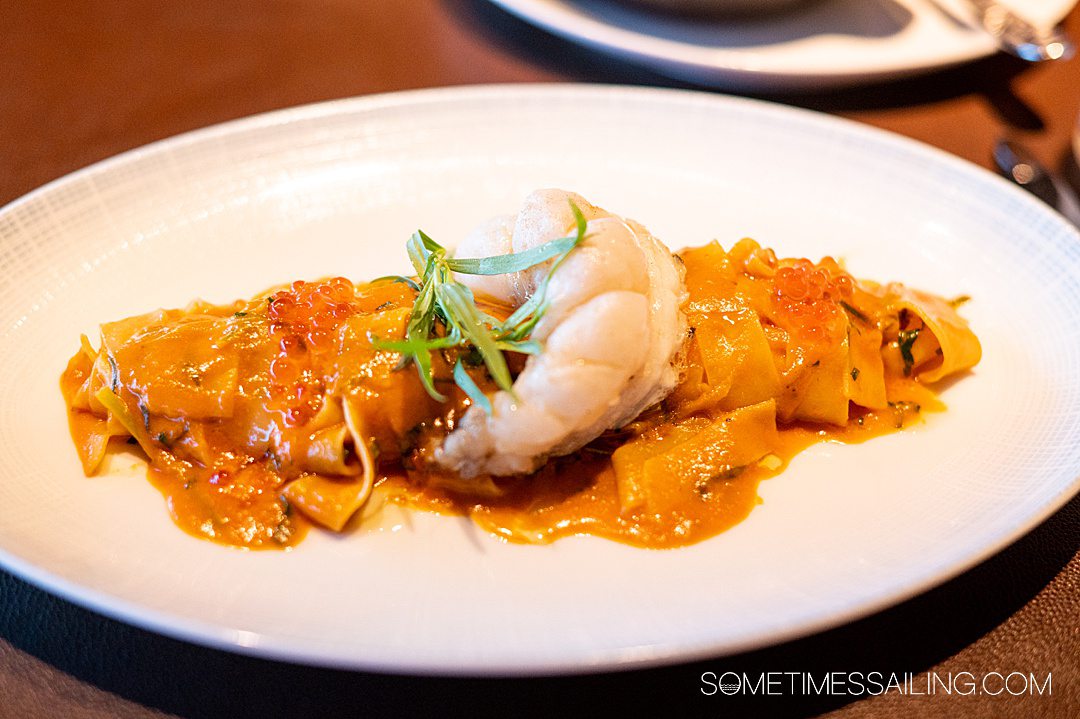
(565, 374)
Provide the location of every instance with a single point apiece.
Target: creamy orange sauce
(578, 494)
(236, 406)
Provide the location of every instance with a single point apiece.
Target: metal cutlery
(1019, 165)
(1013, 34)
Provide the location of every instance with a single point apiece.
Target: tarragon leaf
(397, 278)
(513, 262)
(418, 254)
(525, 347)
(429, 244)
(463, 380)
(462, 313)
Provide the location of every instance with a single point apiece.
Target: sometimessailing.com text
(1011, 683)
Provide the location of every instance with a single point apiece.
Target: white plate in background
(336, 188)
(821, 44)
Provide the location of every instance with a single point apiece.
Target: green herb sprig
(445, 314)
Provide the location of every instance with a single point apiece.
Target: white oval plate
(338, 187)
(826, 43)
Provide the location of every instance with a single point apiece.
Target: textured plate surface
(821, 43)
(338, 187)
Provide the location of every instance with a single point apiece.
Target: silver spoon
(1019, 165)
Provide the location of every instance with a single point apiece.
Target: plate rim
(324, 108)
(272, 647)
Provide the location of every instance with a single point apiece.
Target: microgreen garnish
(397, 278)
(445, 313)
(463, 380)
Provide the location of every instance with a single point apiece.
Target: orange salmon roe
(305, 320)
(806, 297)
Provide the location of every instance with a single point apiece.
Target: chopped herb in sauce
(854, 312)
(282, 533)
(192, 373)
(704, 487)
(114, 380)
(905, 340)
(902, 409)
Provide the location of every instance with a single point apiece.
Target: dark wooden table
(83, 80)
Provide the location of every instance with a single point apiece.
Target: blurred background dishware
(721, 7)
(1012, 30)
(808, 46)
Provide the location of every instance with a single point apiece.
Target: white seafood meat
(611, 335)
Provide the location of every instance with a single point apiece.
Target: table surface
(86, 79)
